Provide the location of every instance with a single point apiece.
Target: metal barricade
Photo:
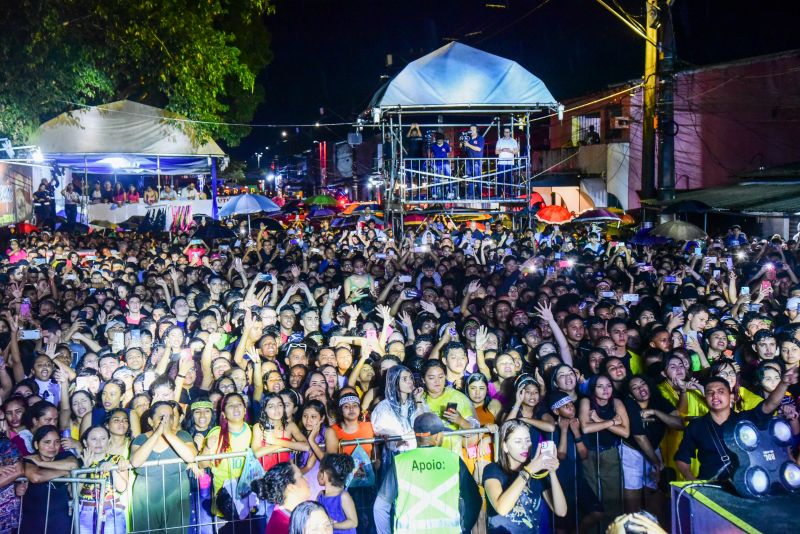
(466, 180)
(75, 482)
(198, 521)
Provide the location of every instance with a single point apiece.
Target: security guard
(431, 488)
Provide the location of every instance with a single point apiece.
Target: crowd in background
(121, 349)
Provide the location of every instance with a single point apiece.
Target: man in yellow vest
(431, 488)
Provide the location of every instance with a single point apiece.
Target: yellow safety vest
(427, 492)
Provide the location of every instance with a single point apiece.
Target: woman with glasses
(515, 491)
(743, 398)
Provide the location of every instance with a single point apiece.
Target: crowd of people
(178, 372)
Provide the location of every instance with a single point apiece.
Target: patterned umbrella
(357, 207)
(321, 200)
(554, 214)
(414, 219)
(597, 215)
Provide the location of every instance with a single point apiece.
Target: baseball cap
(428, 424)
(793, 304)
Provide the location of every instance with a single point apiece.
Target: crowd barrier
(193, 513)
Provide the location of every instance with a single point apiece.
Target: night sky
(330, 54)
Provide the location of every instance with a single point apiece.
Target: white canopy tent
(125, 137)
(463, 77)
(458, 80)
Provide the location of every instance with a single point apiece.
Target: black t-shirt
(526, 515)
(706, 437)
(653, 429)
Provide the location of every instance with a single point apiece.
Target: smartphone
(564, 264)
(25, 308)
(754, 307)
(371, 335)
(451, 407)
(557, 256)
(550, 271)
(422, 248)
(646, 268)
(453, 332)
(676, 310)
(608, 294)
(380, 256)
(264, 277)
(82, 382)
(30, 335)
(412, 294)
(404, 279)
(745, 290)
(766, 285)
(136, 336)
(118, 342)
(716, 274)
(630, 297)
(698, 251)
(548, 449)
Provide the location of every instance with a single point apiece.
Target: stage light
(790, 476)
(781, 431)
(37, 155)
(747, 435)
(757, 480)
(761, 459)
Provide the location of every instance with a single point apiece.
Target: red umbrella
(535, 198)
(26, 228)
(554, 214)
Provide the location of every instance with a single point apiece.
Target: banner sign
(16, 186)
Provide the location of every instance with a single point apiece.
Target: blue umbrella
(248, 204)
(644, 238)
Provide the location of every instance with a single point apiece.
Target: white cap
(793, 304)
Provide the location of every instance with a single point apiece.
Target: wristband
(525, 475)
(579, 439)
(181, 376)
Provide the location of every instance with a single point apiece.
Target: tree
(196, 59)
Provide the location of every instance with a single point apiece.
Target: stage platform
(714, 510)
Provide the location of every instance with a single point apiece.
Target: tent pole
(528, 165)
(158, 173)
(214, 189)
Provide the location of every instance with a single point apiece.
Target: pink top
(14, 257)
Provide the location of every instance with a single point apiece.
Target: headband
(201, 404)
(347, 399)
(563, 401)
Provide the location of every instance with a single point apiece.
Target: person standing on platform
(506, 150)
(473, 147)
(440, 152)
(71, 201)
(431, 488)
(704, 435)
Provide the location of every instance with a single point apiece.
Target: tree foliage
(197, 58)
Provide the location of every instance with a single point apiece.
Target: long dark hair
(263, 418)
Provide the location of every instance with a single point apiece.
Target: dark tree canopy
(196, 59)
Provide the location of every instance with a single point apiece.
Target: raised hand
(545, 311)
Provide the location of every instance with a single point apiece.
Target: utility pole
(258, 159)
(649, 101)
(666, 115)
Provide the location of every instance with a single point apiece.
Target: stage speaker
(761, 458)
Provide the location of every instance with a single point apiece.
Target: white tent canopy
(126, 136)
(459, 76)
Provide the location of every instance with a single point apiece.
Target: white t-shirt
(510, 144)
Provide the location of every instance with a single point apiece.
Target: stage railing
(462, 180)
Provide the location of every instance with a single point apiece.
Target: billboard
(16, 186)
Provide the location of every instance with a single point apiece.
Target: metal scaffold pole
(529, 186)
